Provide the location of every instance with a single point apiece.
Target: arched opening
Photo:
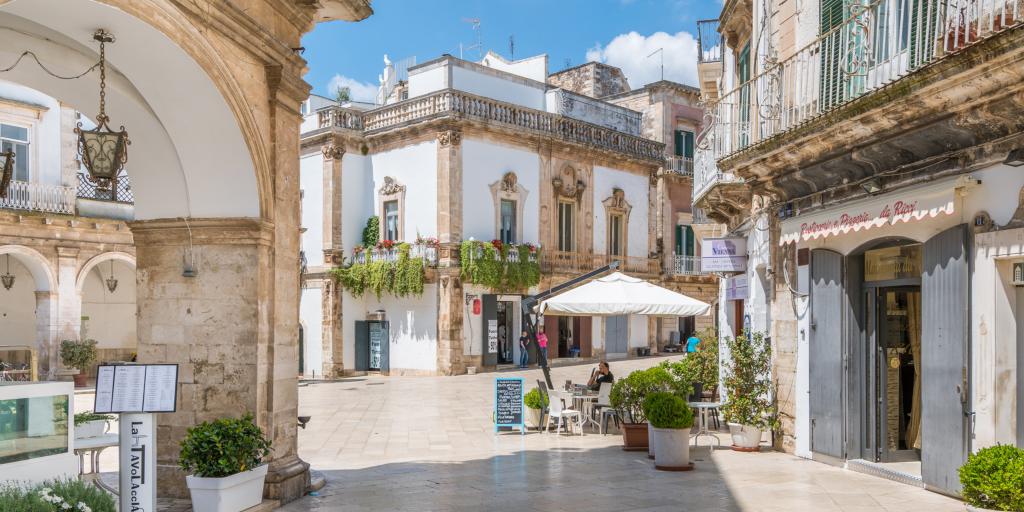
(107, 289)
(26, 310)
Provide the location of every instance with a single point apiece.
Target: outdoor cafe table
(704, 409)
(586, 400)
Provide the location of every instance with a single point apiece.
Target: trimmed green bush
(223, 447)
(628, 394)
(535, 400)
(78, 354)
(56, 496)
(993, 478)
(371, 233)
(668, 410)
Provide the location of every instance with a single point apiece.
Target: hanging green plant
(490, 264)
(371, 233)
(403, 277)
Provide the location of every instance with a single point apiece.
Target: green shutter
(924, 33)
(743, 63)
(679, 239)
(688, 145)
(832, 12)
(690, 239)
(679, 143)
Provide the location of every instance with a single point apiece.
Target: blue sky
(619, 32)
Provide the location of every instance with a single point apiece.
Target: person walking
(542, 348)
(524, 353)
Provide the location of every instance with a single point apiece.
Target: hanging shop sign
(737, 288)
(909, 205)
(723, 254)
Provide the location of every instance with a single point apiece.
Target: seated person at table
(601, 375)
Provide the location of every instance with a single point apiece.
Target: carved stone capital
(332, 152)
(449, 138)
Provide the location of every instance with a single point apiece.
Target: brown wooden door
(582, 331)
(551, 329)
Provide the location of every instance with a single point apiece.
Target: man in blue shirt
(691, 344)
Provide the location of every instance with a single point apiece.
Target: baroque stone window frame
(616, 204)
(391, 190)
(508, 188)
(569, 187)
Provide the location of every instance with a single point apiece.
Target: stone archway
(210, 96)
(108, 308)
(28, 310)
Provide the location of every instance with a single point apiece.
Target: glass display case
(36, 430)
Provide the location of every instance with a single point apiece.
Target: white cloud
(629, 52)
(359, 91)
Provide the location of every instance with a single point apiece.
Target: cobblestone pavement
(428, 443)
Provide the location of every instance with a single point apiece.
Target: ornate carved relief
(391, 186)
(391, 190)
(449, 138)
(568, 183)
(508, 188)
(332, 152)
(509, 182)
(616, 205)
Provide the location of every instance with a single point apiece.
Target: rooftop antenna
(478, 45)
(512, 47)
(568, 63)
(662, 52)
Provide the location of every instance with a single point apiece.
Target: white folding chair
(562, 414)
(604, 406)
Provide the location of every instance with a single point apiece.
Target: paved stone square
(415, 443)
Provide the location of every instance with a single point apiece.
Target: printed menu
(136, 388)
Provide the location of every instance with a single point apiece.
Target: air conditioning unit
(1018, 274)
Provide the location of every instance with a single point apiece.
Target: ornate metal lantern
(112, 281)
(8, 277)
(7, 168)
(102, 150)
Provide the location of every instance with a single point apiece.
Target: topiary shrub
(223, 447)
(78, 354)
(993, 478)
(534, 399)
(371, 233)
(628, 394)
(667, 410)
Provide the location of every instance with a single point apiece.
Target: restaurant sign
(737, 288)
(723, 255)
(885, 210)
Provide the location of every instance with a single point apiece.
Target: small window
(15, 138)
(391, 220)
(615, 235)
(684, 143)
(565, 227)
(508, 222)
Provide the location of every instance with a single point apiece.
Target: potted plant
(671, 419)
(750, 407)
(90, 424)
(224, 459)
(535, 403)
(993, 479)
(79, 355)
(627, 397)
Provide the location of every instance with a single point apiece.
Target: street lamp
(8, 277)
(7, 166)
(111, 281)
(103, 151)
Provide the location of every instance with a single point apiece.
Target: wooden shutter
(679, 143)
(826, 353)
(362, 345)
(688, 144)
(832, 13)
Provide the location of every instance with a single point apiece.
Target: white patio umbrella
(619, 294)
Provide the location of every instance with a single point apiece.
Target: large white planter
(745, 437)
(533, 417)
(233, 493)
(89, 429)
(672, 448)
(651, 454)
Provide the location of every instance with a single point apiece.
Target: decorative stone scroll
(332, 152)
(449, 138)
(568, 183)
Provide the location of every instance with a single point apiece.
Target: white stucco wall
(413, 329)
(352, 309)
(484, 163)
(311, 319)
(416, 168)
(17, 306)
(110, 318)
(585, 108)
(44, 129)
(534, 68)
(636, 192)
(500, 88)
(427, 80)
(472, 325)
(358, 198)
(311, 182)
(638, 334)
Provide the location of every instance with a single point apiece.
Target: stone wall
(591, 79)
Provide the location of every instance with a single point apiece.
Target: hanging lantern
(7, 168)
(102, 150)
(8, 277)
(111, 281)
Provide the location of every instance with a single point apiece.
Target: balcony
(699, 216)
(806, 114)
(709, 59)
(679, 166)
(717, 194)
(427, 252)
(452, 104)
(687, 266)
(39, 197)
(112, 202)
(566, 262)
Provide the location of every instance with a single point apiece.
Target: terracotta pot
(634, 437)
(81, 380)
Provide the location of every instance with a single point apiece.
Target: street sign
(508, 403)
(136, 388)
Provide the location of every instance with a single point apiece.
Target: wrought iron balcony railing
(41, 197)
(877, 44)
(680, 165)
(427, 252)
(120, 192)
(709, 41)
(450, 103)
(687, 266)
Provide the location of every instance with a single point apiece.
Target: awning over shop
(911, 204)
(619, 294)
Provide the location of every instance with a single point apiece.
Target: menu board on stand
(508, 403)
(136, 392)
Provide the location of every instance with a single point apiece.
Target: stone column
(449, 233)
(333, 155)
(69, 300)
(47, 344)
(331, 326)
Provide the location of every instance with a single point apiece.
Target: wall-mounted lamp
(871, 186)
(8, 277)
(1015, 158)
(112, 281)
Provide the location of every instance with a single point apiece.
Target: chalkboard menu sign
(508, 403)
